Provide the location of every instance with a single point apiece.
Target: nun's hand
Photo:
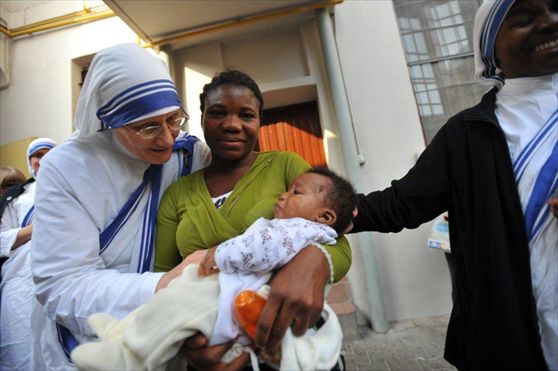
(203, 357)
(296, 298)
(171, 275)
(193, 258)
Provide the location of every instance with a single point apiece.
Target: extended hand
(296, 297)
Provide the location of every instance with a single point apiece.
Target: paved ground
(409, 345)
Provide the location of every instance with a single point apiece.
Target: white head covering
(124, 83)
(36, 145)
(488, 21)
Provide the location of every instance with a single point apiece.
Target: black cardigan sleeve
(421, 195)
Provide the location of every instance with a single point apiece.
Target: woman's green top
(189, 221)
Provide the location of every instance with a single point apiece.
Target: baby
(318, 206)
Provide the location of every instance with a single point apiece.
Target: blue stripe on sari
(28, 217)
(149, 222)
(39, 146)
(141, 106)
(114, 227)
(520, 163)
(129, 97)
(545, 185)
(66, 339)
(488, 36)
(108, 106)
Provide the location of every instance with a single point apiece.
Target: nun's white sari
(527, 112)
(16, 289)
(84, 262)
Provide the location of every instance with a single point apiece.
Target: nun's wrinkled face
(157, 150)
(35, 158)
(527, 43)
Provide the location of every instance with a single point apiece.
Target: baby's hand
(208, 265)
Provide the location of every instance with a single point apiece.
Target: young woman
(224, 199)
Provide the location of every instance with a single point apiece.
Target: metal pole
(348, 143)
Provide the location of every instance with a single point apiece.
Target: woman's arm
(11, 235)
(421, 195)
(341, 257)
(23, 235)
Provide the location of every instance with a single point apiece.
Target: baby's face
(305, 198)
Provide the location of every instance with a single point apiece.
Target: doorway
(294, 128)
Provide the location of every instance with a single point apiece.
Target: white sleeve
(270, 244)
(202, 156)
(71, 279)
(9, 228)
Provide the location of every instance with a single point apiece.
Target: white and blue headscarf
(488, 21)
(34, 146)
(117, 92)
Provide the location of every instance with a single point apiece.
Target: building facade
(341, 72)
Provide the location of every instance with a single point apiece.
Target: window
(437, 39)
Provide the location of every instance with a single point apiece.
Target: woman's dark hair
(341, 197)
(233, 78)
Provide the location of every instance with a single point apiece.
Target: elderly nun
(16, 287)
(97, 200)
(495, 167)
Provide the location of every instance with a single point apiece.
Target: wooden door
(294, 128)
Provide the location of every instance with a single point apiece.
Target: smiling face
(306, 198)
(157, 150)
(231, 122)
(527, 43)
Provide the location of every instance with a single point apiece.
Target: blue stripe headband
(137, 101)
(489, 31)
(38, 146)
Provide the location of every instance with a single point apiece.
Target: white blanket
(151, 336)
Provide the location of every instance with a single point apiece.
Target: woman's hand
(171, 275)
(296, 297)
(23, 236)
(202, 357)
(196, 257)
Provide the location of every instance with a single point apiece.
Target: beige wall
(14, 154)
(38, 101)
(415, 281)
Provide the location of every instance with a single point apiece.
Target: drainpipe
(351, 159)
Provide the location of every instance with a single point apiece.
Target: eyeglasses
(151, 130)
